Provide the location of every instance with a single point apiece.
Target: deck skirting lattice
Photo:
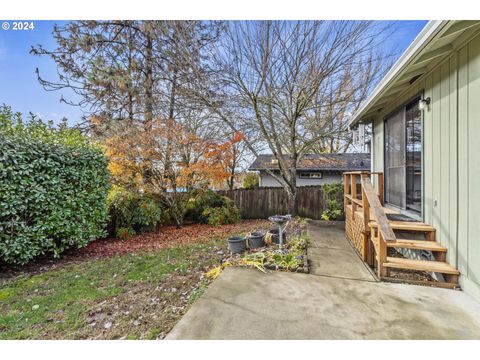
(354, 227)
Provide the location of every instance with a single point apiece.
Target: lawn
(114, 294)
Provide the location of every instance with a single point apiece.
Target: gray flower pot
(236, 244)
(256, 240)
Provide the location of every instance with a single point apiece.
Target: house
(425, 118)
(313, 169)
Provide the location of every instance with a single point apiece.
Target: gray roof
(332, 162)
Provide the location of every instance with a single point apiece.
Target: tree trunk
(292, 193)
(292, 202)
(231, 179)
(149, 80)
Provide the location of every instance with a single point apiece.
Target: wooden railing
(369, 202)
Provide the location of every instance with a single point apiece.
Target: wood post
(370, 258)
(380, 188)
(353, 189)
(366, 226)
(382, 256)
(346, 192)
(430, 236)
(366, 211)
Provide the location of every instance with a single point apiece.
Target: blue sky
(19, 86)
(20, 89)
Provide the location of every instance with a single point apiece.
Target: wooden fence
(259, 203)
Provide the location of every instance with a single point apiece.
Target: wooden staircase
(380, 235)
(439, 265)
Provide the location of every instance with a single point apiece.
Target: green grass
(142, 295)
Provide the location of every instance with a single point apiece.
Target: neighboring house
(313, 169)
(426, 139)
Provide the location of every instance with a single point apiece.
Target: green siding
(451, 158)
(473, 251)
(453, 166)
(462, 244)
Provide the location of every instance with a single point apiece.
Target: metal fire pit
(280, 220)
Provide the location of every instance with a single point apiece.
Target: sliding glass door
(403, 158)
(395, 159)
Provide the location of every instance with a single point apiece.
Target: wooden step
(406, 225)
(417, 245)
(422, 265)
(439, 284)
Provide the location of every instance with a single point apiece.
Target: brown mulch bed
(166, 236)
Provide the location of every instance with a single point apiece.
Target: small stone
(107, 325)
(174, 290)
(136, 322)
(35, 307)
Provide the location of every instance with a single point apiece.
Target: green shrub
(125, 233)
(334, 211)
(201, 200)
(227, 214)
(251, 180)
(132, 212)
(53, 188)
(334, 193)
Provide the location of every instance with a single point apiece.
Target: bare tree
(289, 85)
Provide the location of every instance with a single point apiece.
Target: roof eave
(427, 34)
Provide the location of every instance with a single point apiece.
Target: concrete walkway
(330, 254)
(338, 300)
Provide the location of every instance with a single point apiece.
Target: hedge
(53, 189)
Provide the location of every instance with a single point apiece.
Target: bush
(216, 216)
(251, 181)
(209, 207)
(125, 233)
(53, 189)
(132, 212)
(200, 200)
(334, 210)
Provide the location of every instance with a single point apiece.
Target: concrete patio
(340, 299)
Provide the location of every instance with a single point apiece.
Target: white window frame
(310, 175)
